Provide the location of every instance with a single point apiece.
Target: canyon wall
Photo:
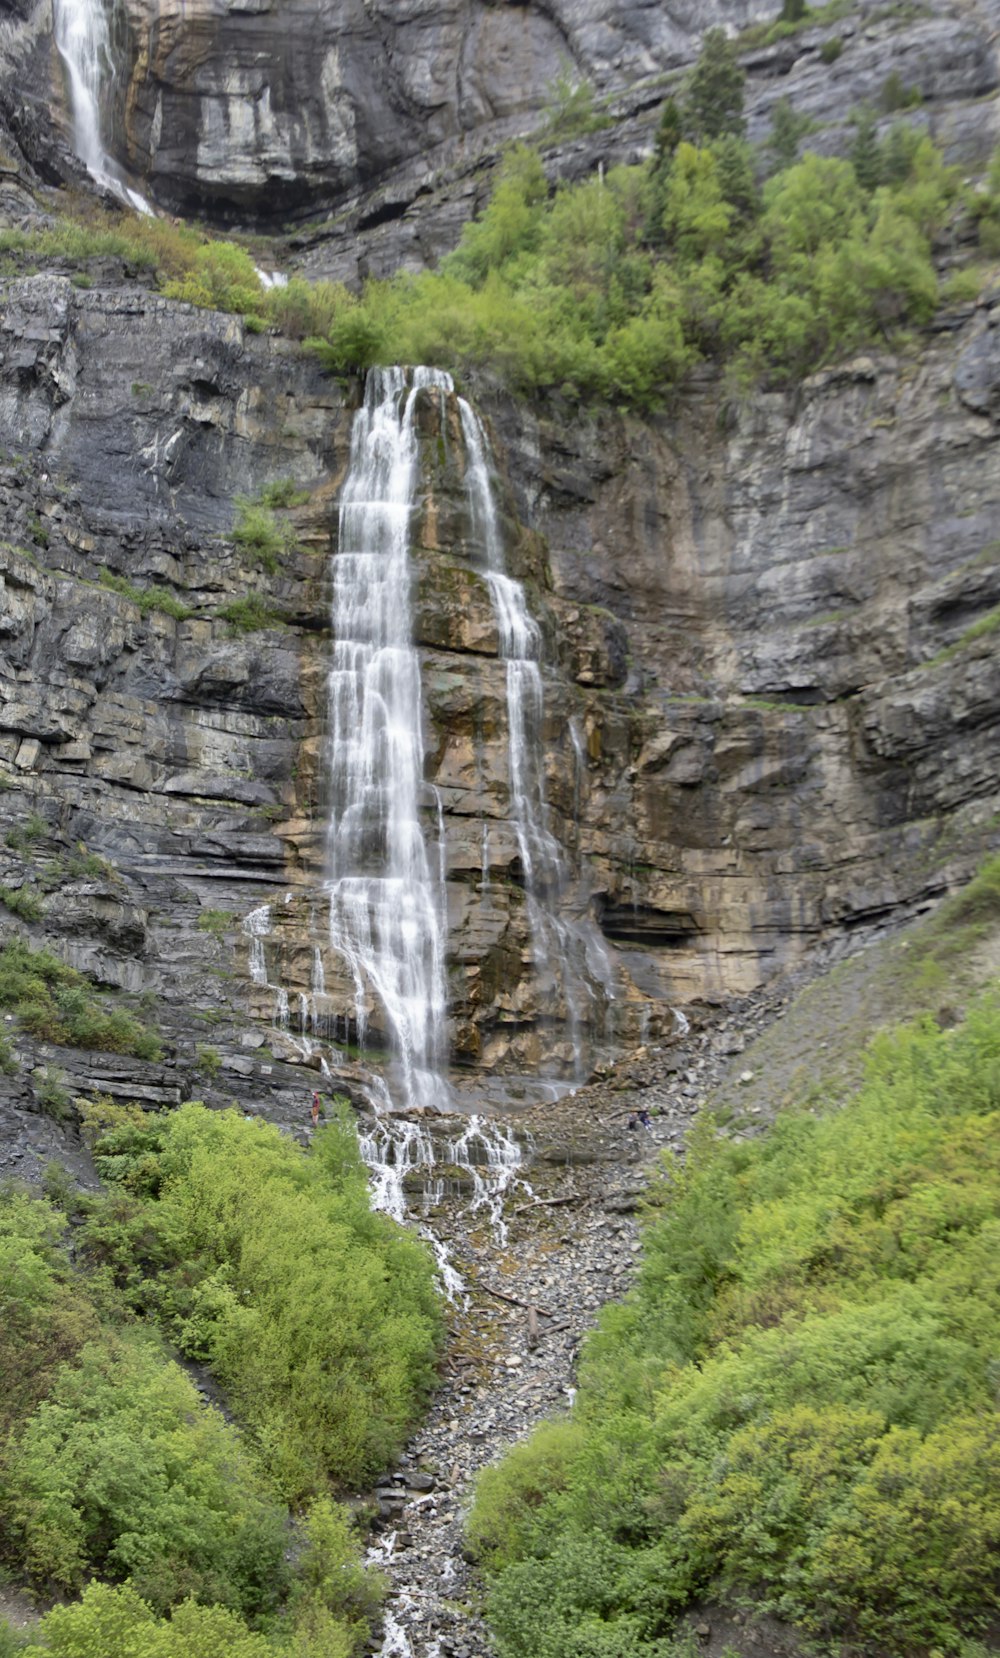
(772, 705)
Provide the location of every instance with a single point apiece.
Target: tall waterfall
(84, 42)
(386, 900)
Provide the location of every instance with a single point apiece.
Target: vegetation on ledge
(768, 261)
(614, 288)
(57, 1004)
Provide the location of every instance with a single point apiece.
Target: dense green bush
(319, 1317)
(111, 1463)
(121, 1471)
(56, 1003)
(797, 1405)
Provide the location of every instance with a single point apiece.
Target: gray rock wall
(772, 687)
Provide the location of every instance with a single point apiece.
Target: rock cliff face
(390, 116)
(772, 688)
(772, 697)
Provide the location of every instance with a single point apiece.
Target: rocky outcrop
(946, 61)
(260, 108)
(772, 697)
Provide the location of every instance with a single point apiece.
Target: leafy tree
(511, 223)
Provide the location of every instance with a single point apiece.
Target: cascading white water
(83, 40)
(81, 35)
(557, 942)
(386, 905)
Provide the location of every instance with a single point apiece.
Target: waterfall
(386, 906)
(556, 941)
(83, 40)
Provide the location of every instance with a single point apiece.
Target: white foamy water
(386, 900)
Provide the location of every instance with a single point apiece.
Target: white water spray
(386, 905)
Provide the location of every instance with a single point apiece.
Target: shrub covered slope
(796, 1408)
(319, 1318)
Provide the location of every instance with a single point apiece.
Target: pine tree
(713, 103)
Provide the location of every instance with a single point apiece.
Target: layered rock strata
(772, 694)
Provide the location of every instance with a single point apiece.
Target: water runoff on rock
(570, 953)
(385, 886)
(386, 883)
(385, 895)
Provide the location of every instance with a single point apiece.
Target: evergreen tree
(865, 152)
(669, 132)
(787, 128)
(713, 102)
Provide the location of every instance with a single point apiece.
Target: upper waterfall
(83, 38)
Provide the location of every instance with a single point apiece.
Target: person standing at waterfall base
(315, 1110)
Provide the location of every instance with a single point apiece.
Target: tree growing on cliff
(713, 97)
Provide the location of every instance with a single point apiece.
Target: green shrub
(8, 1059)
(571, 111)
(110, 1462)
(21, 901)
(283, 492)
(84, 865)
(250, 614)
(147, 598)
(24, 835)
(121, 1470)
(796, 1406)
(895, 95)
(50, 1092)
(319, 1317)
(55, 1003)
(258, 532)
(208, 1060)
(117, 1623)
(222, 278)
(831, 49)
(44, 1320)
(216, 922)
